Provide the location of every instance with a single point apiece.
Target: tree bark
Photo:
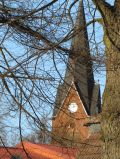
(111, 99)
(111, 104)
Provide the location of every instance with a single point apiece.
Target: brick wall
(69, 127)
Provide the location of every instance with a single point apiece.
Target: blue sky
(47, 64)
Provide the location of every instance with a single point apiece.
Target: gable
(66, 126)
(94, 103)
(64, 98)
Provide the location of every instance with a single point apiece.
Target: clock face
(73, 107)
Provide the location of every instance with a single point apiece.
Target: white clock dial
(73, 107)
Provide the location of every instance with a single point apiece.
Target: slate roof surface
(96, 100)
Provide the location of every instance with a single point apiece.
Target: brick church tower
(78, 98)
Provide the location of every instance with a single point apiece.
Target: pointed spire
(81, 20)
(80, 43)
(79, 68)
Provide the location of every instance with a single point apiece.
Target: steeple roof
(79, 69)
(80, 43)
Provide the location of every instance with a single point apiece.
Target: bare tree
(39, 134)
(111, 103)
(28, 71)
(42, 32)
(2, 132)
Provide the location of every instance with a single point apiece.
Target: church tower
(78, 98)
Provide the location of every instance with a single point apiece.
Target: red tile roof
(38, 151)
(6, 153)
(49, 151)
(90, 149)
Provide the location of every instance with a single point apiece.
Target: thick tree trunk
(111, 98)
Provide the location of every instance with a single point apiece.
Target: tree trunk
(111, 99)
